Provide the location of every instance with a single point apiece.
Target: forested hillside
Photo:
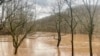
(80, 13)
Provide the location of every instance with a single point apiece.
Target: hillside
(48, 23)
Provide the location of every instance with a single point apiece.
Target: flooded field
(44, 44)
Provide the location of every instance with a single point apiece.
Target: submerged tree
(72, 22)
(20, 23)
(90, 6)
(56, 10)
(58, 22)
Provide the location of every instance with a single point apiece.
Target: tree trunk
(72, 42)
(59, 39)
(90, 44)
(16, 50)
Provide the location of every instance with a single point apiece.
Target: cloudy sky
(44, 7)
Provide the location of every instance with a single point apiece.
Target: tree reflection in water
(59, 53)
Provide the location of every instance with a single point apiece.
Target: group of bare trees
(18, 19)
(73, 19)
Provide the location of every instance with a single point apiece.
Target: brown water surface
(44, 44)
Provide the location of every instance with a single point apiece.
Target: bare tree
(20, 23)
(56, 10)
(90, 6)
(58, 23)
(72, 22)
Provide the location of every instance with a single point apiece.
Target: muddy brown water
(44, 44)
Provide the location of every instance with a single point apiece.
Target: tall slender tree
(72, 22)
(90, 6)
(56, 10)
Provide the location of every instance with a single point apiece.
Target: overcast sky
(43, 6)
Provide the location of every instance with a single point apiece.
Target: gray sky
(42, 2)
(43, 6)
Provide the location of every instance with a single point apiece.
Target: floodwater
(44, 44)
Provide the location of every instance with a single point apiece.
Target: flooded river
(44, 44)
